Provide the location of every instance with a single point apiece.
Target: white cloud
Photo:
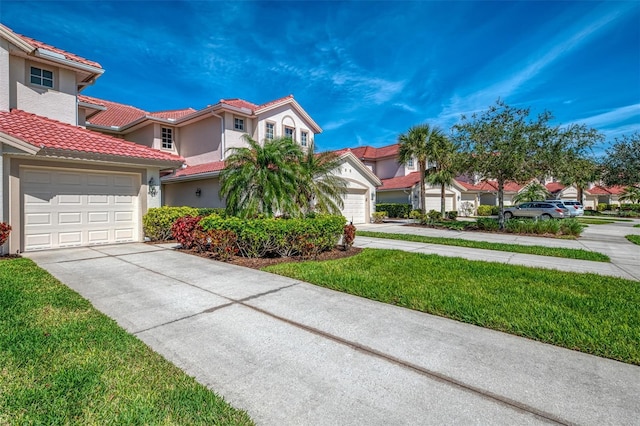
(612, 117)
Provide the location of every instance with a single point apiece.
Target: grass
(63, 362)
(585, 312)
(598, 220)
(636, 226)
(635, 239)
(513, 248)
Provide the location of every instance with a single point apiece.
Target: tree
(319, 188)
(532, 192)
(443, 153)
(579, 172)
(631, 193)
(262, 179)
(503, 144)
(621, 166)
(414, 144)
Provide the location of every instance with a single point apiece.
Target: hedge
(280, 237)
(158, 221)
(395, 209)
(485, 210)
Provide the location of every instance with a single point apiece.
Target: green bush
(602, 207)
(378, 216)
(395, 209)
(495, 210)
(434, 215)
(416, 214)
(157, 222)
(630, 207)
(484, 210)
(571, 227)
(206, 211)
(487, 224)
(280, 237)
(452, 215)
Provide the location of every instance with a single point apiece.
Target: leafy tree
(415, 144)
(621, 166)
(262, 179)
(319, 188)
(532, 192)
(579, 172)
(503, 144)
(443, 153)
(631, 193)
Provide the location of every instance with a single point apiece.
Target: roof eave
(199, 176)
(54, 57)
(314, 126)
(16, 40)
(18, 143)
(82, 155)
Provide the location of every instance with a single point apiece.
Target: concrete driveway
(291, 353)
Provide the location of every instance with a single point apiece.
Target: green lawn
(586, 312)
(513, 248)
(63, 362)
(635, 239)
(636, 226)
(598, 220)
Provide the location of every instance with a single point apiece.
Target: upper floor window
(41, 77)
(289, 132)
(167, 138)
(304, 136)
(269, 131)
(238, 124)
(410, 163)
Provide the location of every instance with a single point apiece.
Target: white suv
(575, 207)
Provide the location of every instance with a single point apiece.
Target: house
(203, 138)
(62, 185)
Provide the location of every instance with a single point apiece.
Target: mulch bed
(259, 263)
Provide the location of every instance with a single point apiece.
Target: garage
(355, 202)
(433, 202)
(66, 208)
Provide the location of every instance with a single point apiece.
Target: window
(269, 131)
(238, 124)
(303, 138)
(410, 163)
(167, 138)
(41, 77)
(289, 132)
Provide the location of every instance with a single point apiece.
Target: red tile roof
(115, 115)
(67, 55)
(554, 187)
(173, 114)
(400, 182)
(274, 102)
(239, 103)
(45, 133)
(604, 190)
(490, 186)
(371, 153)
(215, 166)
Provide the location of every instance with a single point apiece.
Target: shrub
(452, 215)
(183, 230)
(5, 230)
(222, 243)
(379, 216)
(434, 215)
(283, 237)
(206, 211)
(158, 221)
(601, 207)
(571, 227)
(484, 210)
(395, 209)
(630, 207)
(466, 208)
(487, 224)
(348, 236)
(495, 210)
(416, 214)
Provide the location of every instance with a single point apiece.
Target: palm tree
(319, 188)
(443, 152)
(631, 193)
(262, 179)
(414, 144)
(532, 192)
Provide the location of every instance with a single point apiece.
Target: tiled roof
(370, 153)
(490, 186)
(67, 55)
(239, 103)
(400, 182)
(606, 190)
(173, 114)
(115, 115)
(45, 133)
(274, 102)
(215, 166)
(554, 187)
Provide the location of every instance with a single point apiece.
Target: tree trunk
(442, 201)
(580, 194)
(501, 203)
(423, 203)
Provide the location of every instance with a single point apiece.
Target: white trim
(18, 143)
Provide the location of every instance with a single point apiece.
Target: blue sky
(365, 71)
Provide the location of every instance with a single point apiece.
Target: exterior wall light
(153, 187)
(198, 192)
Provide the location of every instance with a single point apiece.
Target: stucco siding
(184, 193)
(389, 168)
(200, 142)
(281, 117)
(143, 136)
(4, 75)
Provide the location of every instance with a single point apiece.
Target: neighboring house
(203, 138)
(60, 184)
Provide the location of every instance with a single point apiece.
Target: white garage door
(76, 208)
(433, 202)
(355, 206)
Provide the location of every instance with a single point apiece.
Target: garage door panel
(61, 213)
(354, 209)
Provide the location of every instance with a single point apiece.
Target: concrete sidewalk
(606, 239)
(292, 353)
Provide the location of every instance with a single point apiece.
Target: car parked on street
(561, 204)
(536, 209)
(575, 207)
